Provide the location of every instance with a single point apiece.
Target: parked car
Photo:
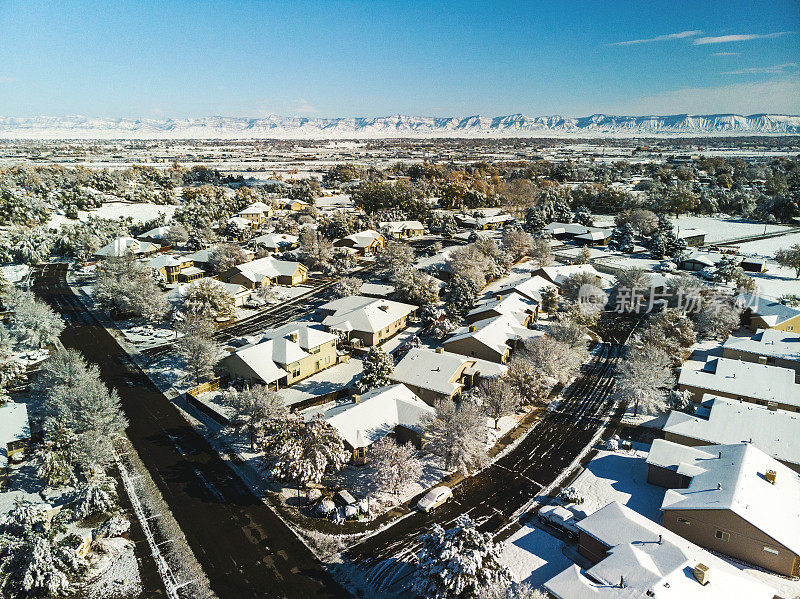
(434, 498)
(560, 518)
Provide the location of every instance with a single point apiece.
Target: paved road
(492, 497)
(244, 548)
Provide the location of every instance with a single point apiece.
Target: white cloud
(726, 54)
(303, 106)
(660, 38)
(777, 68)
(777, 95)
(744, 37)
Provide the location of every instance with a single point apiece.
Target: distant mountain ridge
(399, 126)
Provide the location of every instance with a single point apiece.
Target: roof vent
(770, 476)
(356, 398)
(384, 307)
(701, 574)
(762, 359)
(294, 336)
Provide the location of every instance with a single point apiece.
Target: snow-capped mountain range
(399, 126)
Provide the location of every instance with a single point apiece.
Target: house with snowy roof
(763, 313)
(732, 499)
(484, 223)
(15, 435)
(170, 266)
(283, 356)
(256, 213)
(368, 320)
(439, 374)
(238, 293)
(771, 386)
(632, 557)
(530, 288)
(127, 245)
(522, 309)
(492, 339)
(719, 420)
(772, 347)
(692, 236)
(156, 235)
(292, 205)
(402, 229)
(558, 274)
(276, 242)
(390, 410)
(363, 243)
(266, 271)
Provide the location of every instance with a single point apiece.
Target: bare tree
(497, 399)
(396, 466)
(253, 406)
(225, 256)
(644, 378)
(197, 348)
(459, 435)
(540, 252)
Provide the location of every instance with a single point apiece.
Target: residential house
(580, 234)
(691, 236)
(242, 225)
(364, 243)
(15, 435)
(293, 205)
(770, 386)
(266, 271)
(719, 420)
(256, 213)
(169, 266)
(696, 261)
(403, 229)
(157, 235)
(483, 223)
(558, 274)
(772, 347)
(763, 313)
(530, 288)
(276, 242)
(368, 320)
(754, 264)
(524, 310)
(732, 499)
(437, 265)
(439, 374)
(283, 356)
(201, 259)
(632, 557)
(492, 339)
(127, 245)
(390, 410)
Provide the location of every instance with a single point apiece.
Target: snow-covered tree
(125, 285)
(33, 323)
(252, 406)
(378, 369)
(622, 239)
(177, 234)
(556, 360)
(505, 590)
(458, 562)
(347, 286)
(56, 457)
(725, 270)
(97, 495)
(569, 332)
(461, 295)
(225, 256)
(207, 297)
(790, 258)
(584, 256)
(315, 251)
(496, 398)
(549, 299)
(525, 380)
(671, 331)
(415, 286)
(301, 451)
(458, 434)
(540, 252)
(199, 351)
(517, 243)
(718, 317)
(392, 257)
(396, 466)
(644, 379)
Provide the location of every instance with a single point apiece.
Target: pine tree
(458, 562)
(461, 295)
(549, 299)
(378, 369)
(622, 239)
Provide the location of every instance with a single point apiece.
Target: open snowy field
(719, 228)
(139, 212)
(534, 556)
(767, 247)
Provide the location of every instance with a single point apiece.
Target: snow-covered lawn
(777, 281)
(338, 202)
(115, 574)
(766, 248)
(139, 212)
(619, 476)
(534, 556)
(335, 377)
(14, 273)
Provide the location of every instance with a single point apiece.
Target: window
(723, 536)
(771, 550)
(684, 521)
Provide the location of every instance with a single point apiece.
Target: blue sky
(369, 58)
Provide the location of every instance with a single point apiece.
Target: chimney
(770, 476)
(719, 455)
(384, 307)
(472, 328)
(701, 574)
(660, 539)
(621, 582)
(356, 398)
(762, 360)
(294, 336)
(719, 486)
(439, 350)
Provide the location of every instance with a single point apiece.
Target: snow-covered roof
(191, 271)
(267, 359)
(240, 222)
(14, 426)
(437, 262)
(744, 379)
(288, 202)
(377, 413)
(360, 313)
(494, 333)
(256, 208)
(275, 240)
(267, 267)
(732, 477)
(202, 256)
(648, 558)
(308, 337)
(772, 312)
(398, 226)
(438, 370)
(705, 258)
(157, 233)
(686, 232)
(232, 289)
(162, 260)
(597, 235)
(531, 287)
(362, 239)
(123, 245)
(512, 304)
(768, 342)
(559, 274)
(722, 420)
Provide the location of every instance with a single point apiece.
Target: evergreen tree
(378, 369)
(622, 239)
